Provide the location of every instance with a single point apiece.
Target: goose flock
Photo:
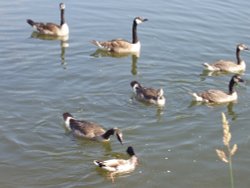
(93, 131)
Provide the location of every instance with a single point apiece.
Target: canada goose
(120, 45)
(150, 95)
(218, 96)
(119, 166)
(52, 28)
(229, 66)
(90, 130)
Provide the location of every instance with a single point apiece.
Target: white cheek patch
(241, 48)
(138, 21)
(67, 123)
(62, 6)
(135, 88)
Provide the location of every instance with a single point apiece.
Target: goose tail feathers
(31, 22)
(97, 43)
(197, 97)
(208, 67)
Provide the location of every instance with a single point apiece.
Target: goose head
(135, 85)
(242, 47)
(119, 135)
(67, 115)
(115, 131)
(236, 79)
(138, 20)
(130, 151)
(62, 6)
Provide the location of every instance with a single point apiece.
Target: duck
(229, 66)
(52, 28)
(90, 130)
(119, 166)
(121, 45)
(218, 96)
(149, 95)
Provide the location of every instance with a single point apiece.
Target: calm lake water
(41, 79)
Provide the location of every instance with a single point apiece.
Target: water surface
(41, 79)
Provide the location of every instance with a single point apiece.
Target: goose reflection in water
(134, 57)
(64, 42)
(230, 111)
(229, 105)
(206, 73)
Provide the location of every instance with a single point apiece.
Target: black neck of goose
(62, 17)
(134, 33)
(238, 56)
(231, 86)
(108, 133)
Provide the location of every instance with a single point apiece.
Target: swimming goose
(119, 166)
(229, 66)
(52, 28)
(150, 95)
(218, 96)
(120, 45)
(90, 130)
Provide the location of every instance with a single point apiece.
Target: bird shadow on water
(230, 106)
(230, 111)
(63, 43)
(207, 73)
(159, 110)
(111, 176)
(134, 57)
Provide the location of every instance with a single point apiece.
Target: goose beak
(145, 19)
(241, 80)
